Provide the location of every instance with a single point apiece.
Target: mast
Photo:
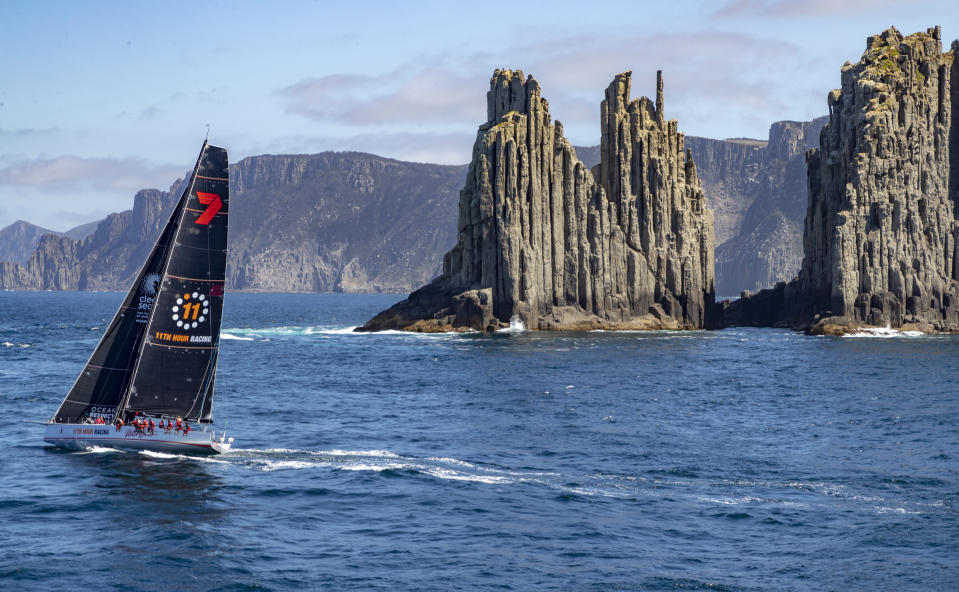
(176, 365)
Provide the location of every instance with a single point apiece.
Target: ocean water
(743, 459)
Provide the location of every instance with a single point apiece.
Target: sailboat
(155, 365)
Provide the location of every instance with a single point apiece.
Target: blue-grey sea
(742, 459)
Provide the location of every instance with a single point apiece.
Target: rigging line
(196, 347)
(207, 377)
(179, 277)
(220, 213)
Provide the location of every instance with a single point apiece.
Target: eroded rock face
(19, 240)
(627, 245)
(881, 228)
(335, 221)
(339, 222)
(757, 191)
(108, 259)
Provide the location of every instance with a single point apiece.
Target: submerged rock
(543, 239)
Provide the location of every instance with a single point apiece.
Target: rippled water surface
(741, 459)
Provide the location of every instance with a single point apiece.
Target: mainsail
(107, 375)
(176, 363)
(158, 356)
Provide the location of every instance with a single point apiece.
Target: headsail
(176, 365)
(106, 377)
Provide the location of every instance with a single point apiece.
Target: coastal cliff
(339, 222)
(335, 221)
(757, 191)
(881, 225)
(19, 240)
(545, 240)
(107, 259)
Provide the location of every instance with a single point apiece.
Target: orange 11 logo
(194, 309)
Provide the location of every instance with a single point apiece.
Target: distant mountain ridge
(355, 222)
(19, 240)
(364, 223)
(334, 221)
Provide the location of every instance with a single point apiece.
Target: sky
(100, 99)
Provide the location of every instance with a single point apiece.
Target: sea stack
(546, 241)
(881, 223)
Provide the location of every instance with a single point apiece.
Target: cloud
(58, 210)
(107, 174)
(447, 91)
(436, 147)
(65, 191)
(717, 84)
(412, 94)
(27, 132)
(150, 113)
(805, 8)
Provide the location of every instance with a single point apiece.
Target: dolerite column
(663, 233)
(880, 233)
(540, 240)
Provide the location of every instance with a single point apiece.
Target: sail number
(194, 306)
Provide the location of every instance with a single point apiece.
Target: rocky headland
(881, 224)
(545, 240)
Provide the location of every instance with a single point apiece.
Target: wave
(334, 452)
(99, 450)
(9, 344)
(884, 332)
(190, 457)
(744, 493)
(265, 333)
(374, 453)
(437, 467)
(516, 325)
(236, 337)
(281, 331)
(896, 510)
(156, 454)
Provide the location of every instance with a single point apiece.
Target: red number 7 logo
(213, 201)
